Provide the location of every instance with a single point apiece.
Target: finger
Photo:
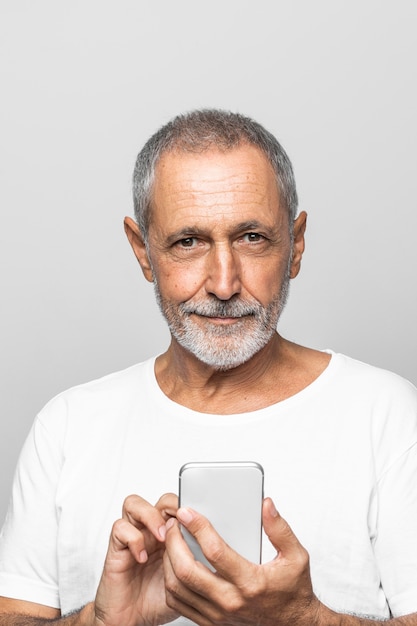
(193, 574)
(279, 532)
(189, 611)
(188, 583)
(142, 514)
(167, 505)
(226, 562)
(178, 596)
(125, 537)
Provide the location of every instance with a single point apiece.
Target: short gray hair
(197, 132)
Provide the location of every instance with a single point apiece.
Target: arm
(131, 590)
(21, 613)
(278, 593)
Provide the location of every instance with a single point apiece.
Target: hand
(131, 591)
(239, 592)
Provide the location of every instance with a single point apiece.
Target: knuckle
(171, 595)
(176, 581)
(199, 525)
(215, 550)
(303, 559)
(167, 499)
(122, 534)
(251, 590)
(184, 574)
(167, 505)
(129, 502)
(235, 603)
(170, 587)
(118, 526)
(170, 600)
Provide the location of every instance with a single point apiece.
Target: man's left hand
(239, 592)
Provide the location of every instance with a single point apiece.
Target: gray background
(84, 83)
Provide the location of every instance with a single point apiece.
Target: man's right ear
(135, 237)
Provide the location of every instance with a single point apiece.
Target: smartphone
(230, 495)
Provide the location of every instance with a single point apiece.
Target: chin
(226, 361)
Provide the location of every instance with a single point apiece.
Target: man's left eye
(252, 237)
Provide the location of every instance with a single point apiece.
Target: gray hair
(197, 132)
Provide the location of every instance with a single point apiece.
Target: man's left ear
(135, 237)
(300, 224)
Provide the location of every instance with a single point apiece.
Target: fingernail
(162, 532)
(170, 523)
(272, 509)
(143, 556)
(184, 515)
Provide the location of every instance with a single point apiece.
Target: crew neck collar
(166, 404)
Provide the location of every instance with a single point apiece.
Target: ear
(135, 237)
(300, 224)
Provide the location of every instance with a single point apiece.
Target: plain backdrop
(84, 84)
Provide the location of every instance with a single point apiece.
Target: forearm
(326, 617)
(83, 617)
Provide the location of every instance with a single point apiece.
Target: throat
(279, 371)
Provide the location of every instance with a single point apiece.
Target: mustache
(221, 308)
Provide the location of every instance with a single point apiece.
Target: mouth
(222, 320)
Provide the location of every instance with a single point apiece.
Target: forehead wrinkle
(214, 200)
(218, 180)
(217, 212)
(237, 183)
(214, 185)
(214, 166)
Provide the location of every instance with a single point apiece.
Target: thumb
(279, 531)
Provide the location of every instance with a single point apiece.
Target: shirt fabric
(340, 462)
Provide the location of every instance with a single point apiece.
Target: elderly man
(217, 233)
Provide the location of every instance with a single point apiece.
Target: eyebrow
(190, 231)
(183, 233)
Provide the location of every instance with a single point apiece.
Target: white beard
(223, 347)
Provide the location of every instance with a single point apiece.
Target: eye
(252, 237)
(187, 242)
(188, 247)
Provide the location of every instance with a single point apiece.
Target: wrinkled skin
(240, 592)
(132, 589)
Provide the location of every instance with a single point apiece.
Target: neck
(274, 373)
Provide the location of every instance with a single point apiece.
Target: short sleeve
(395, 544)
(28, 541)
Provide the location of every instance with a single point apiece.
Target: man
(218, 235)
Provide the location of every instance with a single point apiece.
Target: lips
(220, 310)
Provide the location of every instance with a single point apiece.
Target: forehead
(214, 182)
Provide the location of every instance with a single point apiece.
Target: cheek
(263, 281)
(178, 283)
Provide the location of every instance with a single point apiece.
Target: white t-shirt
(340, 461)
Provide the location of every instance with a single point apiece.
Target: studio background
(84, 84)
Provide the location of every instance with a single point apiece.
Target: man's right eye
(187, 242)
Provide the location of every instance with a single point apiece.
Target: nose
(223, 275)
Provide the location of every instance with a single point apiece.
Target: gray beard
(223, 347)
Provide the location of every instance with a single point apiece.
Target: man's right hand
(131, 590)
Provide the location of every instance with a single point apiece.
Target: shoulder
(332, 371)
(99, 398)
(376, 400)
(370, 379)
